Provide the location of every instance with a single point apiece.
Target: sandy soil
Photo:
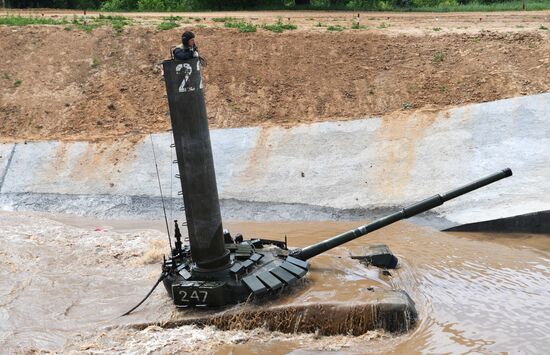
(69, 84)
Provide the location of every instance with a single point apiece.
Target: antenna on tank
(160, 188)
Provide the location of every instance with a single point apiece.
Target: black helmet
(186, 36)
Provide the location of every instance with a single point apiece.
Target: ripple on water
(485, 308)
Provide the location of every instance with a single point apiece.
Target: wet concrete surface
(65, 280)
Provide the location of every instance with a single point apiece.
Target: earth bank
(74, 85)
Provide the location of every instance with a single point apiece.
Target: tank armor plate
(258, 268)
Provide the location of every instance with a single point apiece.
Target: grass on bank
(438, 57)
(279, 26)
(164, 26)
(25, 21)
(336, 28)
(224, 19)
(172, 18)
(241, 26)
(357, 26)
(117, 22)
(80, 22)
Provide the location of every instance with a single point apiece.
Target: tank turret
(215, 269)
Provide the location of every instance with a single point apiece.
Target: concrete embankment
(333, 170)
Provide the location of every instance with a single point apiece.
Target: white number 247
(198, 296)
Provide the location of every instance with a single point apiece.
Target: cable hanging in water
(161, 195)
(162, 276)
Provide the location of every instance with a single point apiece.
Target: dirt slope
(59, 84)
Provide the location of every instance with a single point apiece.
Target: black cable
(161, 195)
(162, 277)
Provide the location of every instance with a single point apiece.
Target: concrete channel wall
(333, 170)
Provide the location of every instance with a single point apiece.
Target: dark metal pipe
(195, 162)
(412, 210)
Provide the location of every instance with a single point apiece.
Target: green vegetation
(357, 26)
(79, 22)
(163, 26)
(438, 57)
(24, 21)
(481, 5)
(112, 18)
(279, 26)
(58, 4)
(118, 26)
(336, 28)
(223, 19)
(241, 26)
(17, 83)
(84, 24)
(95, 62)
(383, 25)
(436, 29)
(217, 5)
(372, 5)
(117, 22)
(151, 5)
(172, 18)
(5, 76)
(544, 28)
(407, 105)
(87, 28)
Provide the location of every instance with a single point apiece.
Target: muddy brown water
(65, 280)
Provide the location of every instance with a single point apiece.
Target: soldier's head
(188, 39)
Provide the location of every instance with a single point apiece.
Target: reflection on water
(63, 281)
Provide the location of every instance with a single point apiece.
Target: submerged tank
(215, 269)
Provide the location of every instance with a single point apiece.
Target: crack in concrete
(3, 177)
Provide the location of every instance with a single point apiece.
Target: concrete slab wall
(356, 166)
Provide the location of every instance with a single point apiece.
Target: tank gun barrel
(412, 210)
